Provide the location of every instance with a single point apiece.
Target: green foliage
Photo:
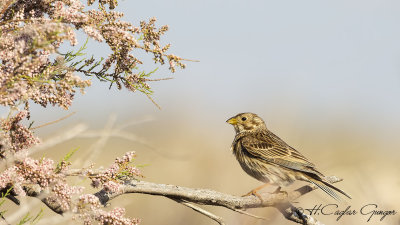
(65, 161)
(90, 67)
(32, 219)
(3, 200)
(141, 84)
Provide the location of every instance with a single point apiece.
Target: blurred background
(324, 75)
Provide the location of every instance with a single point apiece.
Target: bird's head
(247, 122)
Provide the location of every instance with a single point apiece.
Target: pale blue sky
(317, 62)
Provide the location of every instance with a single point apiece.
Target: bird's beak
(232, 121)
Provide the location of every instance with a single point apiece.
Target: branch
(202, 211)
(5, 6)
(188, 196)
(49, 201)
(281, 201)
(53, 122)
(206, 196)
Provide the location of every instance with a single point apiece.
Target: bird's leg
(278, 191)
(254, 191)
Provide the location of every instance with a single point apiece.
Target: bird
(267, 158)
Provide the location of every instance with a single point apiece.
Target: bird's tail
(327, 188)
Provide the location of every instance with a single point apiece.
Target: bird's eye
(244, 118)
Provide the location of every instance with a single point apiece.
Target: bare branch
(53, 122)
(202, 211)
(50, 202)
(188, 196)
(57, 139)
(281, 201)
(248, 214)
(94, 151)
(5, 6)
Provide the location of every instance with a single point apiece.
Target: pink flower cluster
(15, 135)
(9, 178)
(34, 171)
(88, 200)
(115, 216)
(26, 71)
(119, 171)
(111, 186)
(89, 209)
(28, 171)
(69, 11)
(44, 175)
(64, 192)
(32, 32)
(40, 173)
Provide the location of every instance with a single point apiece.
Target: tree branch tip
(249, 214)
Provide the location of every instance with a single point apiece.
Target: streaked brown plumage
(266, 157)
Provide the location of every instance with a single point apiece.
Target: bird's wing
(269, 147)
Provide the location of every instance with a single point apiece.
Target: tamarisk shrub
(34, 70)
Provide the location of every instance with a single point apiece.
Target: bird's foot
(279, 191)
(253, 192)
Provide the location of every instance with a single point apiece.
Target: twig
(202, 211)
(154, 51)
(66, 135)
(95, 149)
(154, 102)
(50, 202)
(119, 133)
(3, 218)
(248, 214)
(53, 122)
(126, 124)
(6, 6)
(160, 79)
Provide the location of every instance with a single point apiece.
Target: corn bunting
(267, 158)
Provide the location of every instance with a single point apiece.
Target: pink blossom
(111, 186)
